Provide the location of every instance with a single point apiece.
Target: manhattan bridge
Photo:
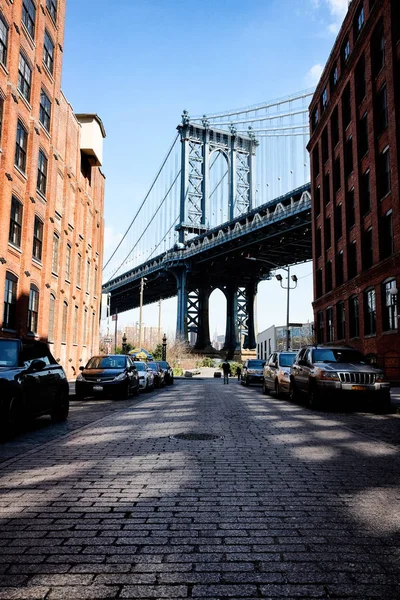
(233, 185)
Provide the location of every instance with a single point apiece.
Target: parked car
(32, 384)
(333, 373)
(168, 372)
(276, 375)
(158, 374)
(252, 371)
(111, 375)
(146, 376)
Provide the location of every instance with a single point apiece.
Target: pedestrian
(226, 368)
(238, 371)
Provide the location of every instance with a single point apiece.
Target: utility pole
(159, 321)
(115, 319)
(142, 283)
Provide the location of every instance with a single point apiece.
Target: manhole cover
(196, 437)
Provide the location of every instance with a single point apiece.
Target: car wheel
(264, 388)
(147, 388)
(247, 382)
(61, 410)
(12, 417)
(135, 390)
(383, 404)
(314, 397)
(277, 389)
(293, 391)
(79, 396)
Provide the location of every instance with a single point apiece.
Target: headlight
(329, 375)
(120, 377)
(380, 378)
(80, 377)
(250, 370)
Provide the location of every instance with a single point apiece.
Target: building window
(29, 16)
(345, 54)
(346, 106)
(328, 236)
(95, 282)
(85, 321)
(359, 21)
(317, 200)
(325, 146)
(64, 323)
(335, 127)
(350, 209)
(75, 328)
(3, 40)
(352, 260)
(336, 174)
(386, 245)
(314, 118)
(52, 310)
(315, 156)
(365, 193)
(354, 317)
(381, 110)
(21, 145)
(41, 183)
(318, 283)
(87, 276)
(340, 321)
(1, 116)
(324, 99)
(45, 110)
(330, 330)
(33, 309)
(378, 49)
(339, 269)
(334, 77)
(383, 175)
(24, 77)
(367, 249)
(320, 327)
(37, 239)
(14, 236)
(363, 136)
(78, 270)
(327, 189)
(369, 312)
(328, 276)
(52, 8)
(348, 157)
(338, 222)
(10, 301)
(360, 82)
(389, 305)
(48, 52)
(318, 242)
(55, 255)
(68, 262)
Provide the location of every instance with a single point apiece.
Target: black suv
(168, 372)
(252, 371)
(336, 373)
(32, 383)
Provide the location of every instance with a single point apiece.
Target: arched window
(55, 255)
(64, 323)
(33, 309)
(10, 301)
(52, 308)
(3, 40)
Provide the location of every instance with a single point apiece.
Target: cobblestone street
(282, 503)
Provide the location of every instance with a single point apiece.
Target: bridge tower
(199, 142)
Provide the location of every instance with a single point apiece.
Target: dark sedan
(158, 374)
(112, 375)
(32, 383)
(168, 372)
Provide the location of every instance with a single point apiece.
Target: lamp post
(164, 347)
(288, 288)
(142, 284)
(124, 343)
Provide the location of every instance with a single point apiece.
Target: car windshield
(152, 366)
(339, 355)
(107, 362)
(8, 353)
(287, 359)
(163, 364)
(140, 366)
(255, 364)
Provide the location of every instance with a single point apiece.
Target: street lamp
(142, 283)
(288, 288)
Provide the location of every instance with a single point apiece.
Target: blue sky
(139, 63)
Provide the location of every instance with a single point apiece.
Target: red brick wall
(71, 207)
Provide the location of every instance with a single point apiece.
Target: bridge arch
(218, 202)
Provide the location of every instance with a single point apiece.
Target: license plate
(359, 388)
(97, 388)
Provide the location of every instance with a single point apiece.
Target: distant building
(51, 191)
(274, 339)
(354, 148)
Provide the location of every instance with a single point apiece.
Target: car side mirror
(81, 368)
(36, 365)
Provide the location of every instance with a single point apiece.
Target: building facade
(273, 339)
(51, 191)
(354, 150)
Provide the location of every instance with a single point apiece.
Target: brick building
(51, 190)
(354, 149)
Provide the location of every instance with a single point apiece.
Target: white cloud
(337, 10)
(313, 75)
(111, 239)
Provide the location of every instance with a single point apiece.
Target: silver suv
(337, 372)
(277, 372)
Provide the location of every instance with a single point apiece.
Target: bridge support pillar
(231, 331)
(181, 320)
(203, 341)
(250, 342)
